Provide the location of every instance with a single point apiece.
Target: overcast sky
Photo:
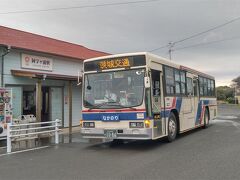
(140, 27)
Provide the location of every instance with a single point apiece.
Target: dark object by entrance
(45, 104)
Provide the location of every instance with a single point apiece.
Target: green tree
(237, 81)
(225, 93)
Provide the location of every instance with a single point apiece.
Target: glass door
(156, 103)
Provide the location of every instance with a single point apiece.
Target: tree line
(227, 93)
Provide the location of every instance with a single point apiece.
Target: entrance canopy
(43, 75)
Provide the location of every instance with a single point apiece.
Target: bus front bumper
(143, 133)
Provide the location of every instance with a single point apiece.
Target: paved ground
(212, 153)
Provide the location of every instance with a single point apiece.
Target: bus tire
(172, 128)
(206, 119)
(1, 130)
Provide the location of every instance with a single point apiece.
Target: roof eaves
(53, 54)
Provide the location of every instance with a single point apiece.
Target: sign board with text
(36, 62)
(115, 63)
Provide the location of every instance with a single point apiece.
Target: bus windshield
(118, 89)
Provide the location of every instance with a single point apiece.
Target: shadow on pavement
(141, 145)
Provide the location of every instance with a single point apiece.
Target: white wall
(61, 65)
(76, 105)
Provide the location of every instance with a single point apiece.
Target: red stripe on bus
(210, 105)
(116, 110)
(173, 104)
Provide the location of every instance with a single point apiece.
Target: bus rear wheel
(172, 128)
(206, 119)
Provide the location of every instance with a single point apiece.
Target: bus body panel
(190, 118)
(190, 107)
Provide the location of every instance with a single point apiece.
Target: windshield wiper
(111, 103)
(114, 103)
(99, 105)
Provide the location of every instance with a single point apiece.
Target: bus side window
(189, 86)
(156, 83)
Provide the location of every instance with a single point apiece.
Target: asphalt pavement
(212, 153)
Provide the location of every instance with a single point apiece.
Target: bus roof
(117, 55)
(161, 60)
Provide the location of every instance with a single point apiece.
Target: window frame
(192, 87)
(182, 83)
(166, 85)
(204, 83)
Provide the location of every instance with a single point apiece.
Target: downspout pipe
(5, 52)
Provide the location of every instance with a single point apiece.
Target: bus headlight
(136, 125)
(81, 123)
(88, 124)
(147, 123)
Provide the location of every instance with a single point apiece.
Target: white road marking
(235, 124)
(227, 117)
(26, 150)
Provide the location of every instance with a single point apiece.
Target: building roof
(29, 41)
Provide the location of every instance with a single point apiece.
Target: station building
(42, 73)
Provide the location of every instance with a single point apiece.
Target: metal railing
(18, 132)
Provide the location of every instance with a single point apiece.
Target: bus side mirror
(146, 82)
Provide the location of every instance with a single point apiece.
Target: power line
(208, 43)
(211, 29)
(80, 7)
(198, 34)
(162, 47)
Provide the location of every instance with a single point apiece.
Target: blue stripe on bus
(166, 113)
(179, 104)
(131, 115)
(122, 116)
(199, 110)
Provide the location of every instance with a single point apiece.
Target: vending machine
(5, 110)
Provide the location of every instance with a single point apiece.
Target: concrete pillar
(38, 100)
(70, 110)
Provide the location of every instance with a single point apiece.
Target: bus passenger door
(156, 103)
(189, 104)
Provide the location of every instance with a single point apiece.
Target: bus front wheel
(172, 127)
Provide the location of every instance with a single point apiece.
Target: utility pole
(170, 50)
(235, 97)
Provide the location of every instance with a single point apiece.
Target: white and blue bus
(144, 96)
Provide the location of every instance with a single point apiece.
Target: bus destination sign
(114, 63)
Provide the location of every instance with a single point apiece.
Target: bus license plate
(110, 134)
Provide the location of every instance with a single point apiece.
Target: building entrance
(29, 102)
